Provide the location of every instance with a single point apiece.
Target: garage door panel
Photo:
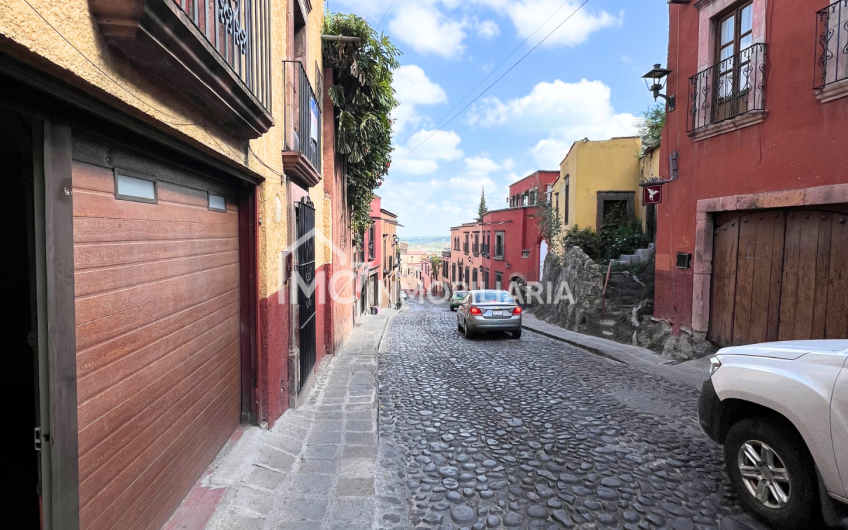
(151, 317)
(181, 195)
(88, 230)
(100, 306)
(103, 390)
(103, 439)
(108, 351)
(99, 255)
(724, 282)
(110, 509)
(745, 262)
(181, 483)
(88, 282)
(775, 286)
(127, 461)
(93, 178)
(98, 204)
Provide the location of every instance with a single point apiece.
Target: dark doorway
(305, 212)
(20, 490)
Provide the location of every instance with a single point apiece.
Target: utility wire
(384, 15)
(495, 69)
(495, 81)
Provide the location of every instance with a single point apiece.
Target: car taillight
(516, 311)
(476, 311)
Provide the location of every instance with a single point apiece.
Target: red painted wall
(539, 179)
(800, 144)
(272, 358)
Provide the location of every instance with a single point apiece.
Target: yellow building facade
(594, 176)
(169, 151)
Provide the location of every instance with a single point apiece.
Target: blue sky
(584, 81)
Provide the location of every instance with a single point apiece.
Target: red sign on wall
(652, 194)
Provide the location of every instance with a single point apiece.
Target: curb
(576, 344)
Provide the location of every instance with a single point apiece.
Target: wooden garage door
(157, 331)
(780, 275)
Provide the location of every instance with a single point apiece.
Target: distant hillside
(429, 244)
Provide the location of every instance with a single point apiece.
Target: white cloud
(488, 29)
(565, 111)
(528, 15)
(422, 160)
(508, 164)
(428, 30)
(413, 87)
(481, 164)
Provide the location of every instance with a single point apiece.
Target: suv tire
(802, 507)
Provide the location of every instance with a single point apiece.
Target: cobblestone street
(534, 433)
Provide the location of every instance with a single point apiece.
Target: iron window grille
(831, 44)
(730, 88)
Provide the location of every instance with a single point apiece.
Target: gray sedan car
(488, 310)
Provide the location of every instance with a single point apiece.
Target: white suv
(781, 411)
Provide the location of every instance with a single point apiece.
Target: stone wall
(624, 314)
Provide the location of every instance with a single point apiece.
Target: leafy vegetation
(618, 235)
(548, 222)
(436, 266)
(363, 98)
(650, 125)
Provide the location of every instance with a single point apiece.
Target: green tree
(436, 266)
(363, 99)
(549, 223)
(482, 209)
(650, 125)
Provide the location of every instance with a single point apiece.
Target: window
(735, 34)
(453, 272)
(135, 187)
(498, 280)
(474, 279)
(525, 253)
(565, 205)
(467, 275)
(217, 203)
(493, 296)
(556, 204)
(371, 242)
(533, 193)
(499, 245)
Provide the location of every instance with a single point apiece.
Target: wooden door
(815, 279)
(157, 330)
(747, 263)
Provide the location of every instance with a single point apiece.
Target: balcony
(302, 158)
(465, 248)
(729, 95)
(475, 249)
(831, 67)
(484, 250)
(215, 53)
(499, 252)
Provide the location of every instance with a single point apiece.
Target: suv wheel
(772, 472)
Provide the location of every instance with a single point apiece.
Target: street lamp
(395, 239)
(654, 82)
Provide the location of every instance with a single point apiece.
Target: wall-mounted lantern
(654, 82)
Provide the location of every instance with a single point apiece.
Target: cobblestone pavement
(533, 433)
(315, 469)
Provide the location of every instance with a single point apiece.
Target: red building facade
(506, 247)
(752, 240)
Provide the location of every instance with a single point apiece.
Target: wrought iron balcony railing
(499, 252)
(484, 250)
(307, 108)
(475, 249)
(240, 31)
(832, 49)
(731, 88)
(465, 248)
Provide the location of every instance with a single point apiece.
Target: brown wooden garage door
(157, 330)
(780, 275)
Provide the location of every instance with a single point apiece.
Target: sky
(584, 81)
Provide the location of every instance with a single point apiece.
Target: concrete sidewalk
(315, 469)
(692, 373)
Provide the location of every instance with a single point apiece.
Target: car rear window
(460, 294)
(493, 297)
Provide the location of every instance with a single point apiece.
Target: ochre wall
(593, 166)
